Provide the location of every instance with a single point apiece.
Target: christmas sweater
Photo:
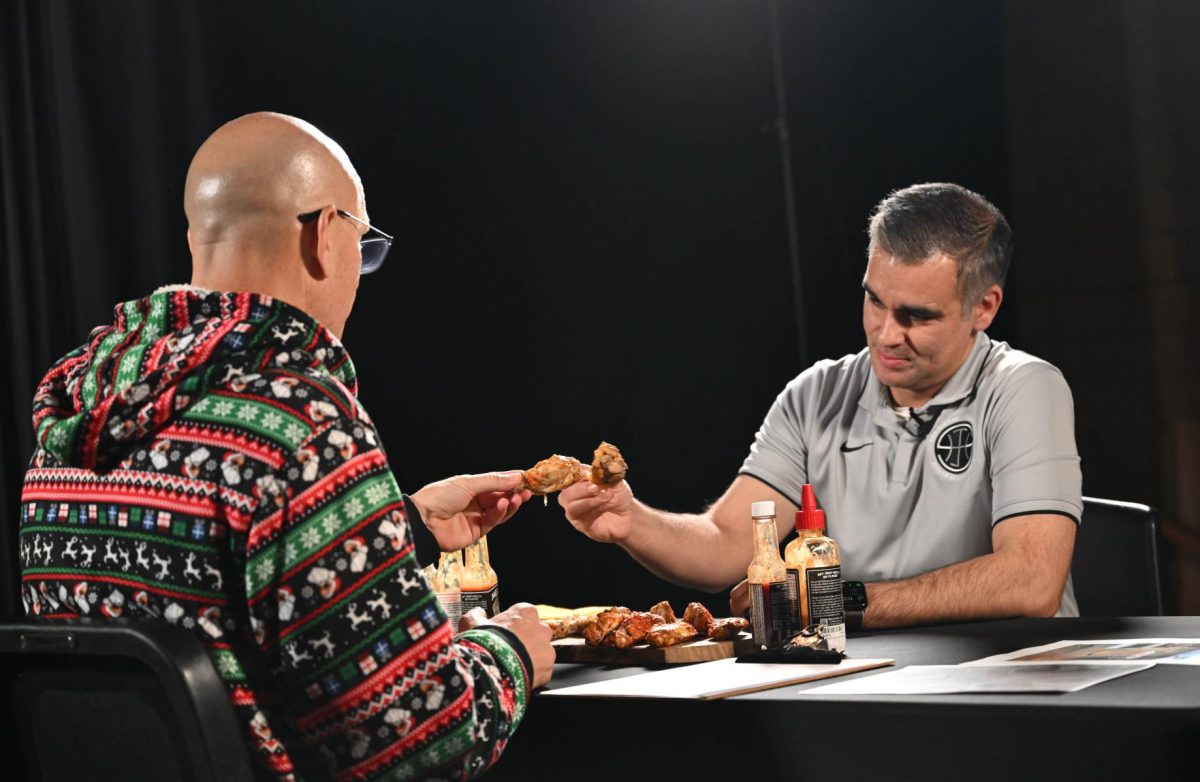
(204, 460)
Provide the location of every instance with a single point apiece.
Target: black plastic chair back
(126, 701)
(1117, 567)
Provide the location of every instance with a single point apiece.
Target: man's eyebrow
(921, 313)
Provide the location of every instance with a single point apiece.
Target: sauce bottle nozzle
(809, 516)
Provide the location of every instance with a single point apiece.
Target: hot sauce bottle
(480, 586)
(814, 574)
(767, 581)
(447, 584)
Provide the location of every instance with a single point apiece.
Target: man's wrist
(854, 620)
(854, 601)
(425, 543)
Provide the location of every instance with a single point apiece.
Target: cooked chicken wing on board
(698, 617)
(606, 622)
(632, 630)
(727, 629)
(670, 634)
(664, 610)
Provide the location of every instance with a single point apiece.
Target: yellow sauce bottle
(767, 581)
(814, 574)
(447, 584)
(480, 585)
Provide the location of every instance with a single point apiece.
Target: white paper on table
(1163, 651)
(950, 679)
(716, 679)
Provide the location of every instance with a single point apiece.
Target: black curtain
(587, 196)
(99, 105)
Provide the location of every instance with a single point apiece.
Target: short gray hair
(917, 222)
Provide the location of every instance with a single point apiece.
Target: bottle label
(825, 604)
(488, 600)
(452, 604)
(769, 613)
(796, 623)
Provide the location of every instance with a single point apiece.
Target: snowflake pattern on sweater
(205, 460)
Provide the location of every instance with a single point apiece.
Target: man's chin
(890, 377)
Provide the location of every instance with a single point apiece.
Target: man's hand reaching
(462, 509)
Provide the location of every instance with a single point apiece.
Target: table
(1142, 726)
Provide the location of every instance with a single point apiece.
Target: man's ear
(316, 244)
(985, 311)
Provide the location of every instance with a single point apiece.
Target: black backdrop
(588, 200)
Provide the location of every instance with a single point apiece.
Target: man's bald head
(247, 184)
(260, 170)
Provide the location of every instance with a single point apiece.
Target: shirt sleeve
(779, 454)
(1031, 442)
(427, 548)
(377, 681)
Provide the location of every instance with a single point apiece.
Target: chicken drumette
(551, 475)
(608, 466)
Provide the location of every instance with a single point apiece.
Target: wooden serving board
(576, 650)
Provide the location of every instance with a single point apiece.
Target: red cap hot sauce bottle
(814, 574)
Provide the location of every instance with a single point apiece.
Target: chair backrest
(1117, 568)
(137, 700)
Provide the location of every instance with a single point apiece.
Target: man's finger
(472, 618)
(483, 483)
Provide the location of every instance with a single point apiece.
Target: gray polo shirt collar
(877, 402)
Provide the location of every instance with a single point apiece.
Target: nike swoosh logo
(847, 449)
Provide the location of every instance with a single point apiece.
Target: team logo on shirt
(954, 447)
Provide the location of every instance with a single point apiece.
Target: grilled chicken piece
(551, 475)
(728, 628)
(671, 634)
(573, 624)
(632, 630)
(664, 610)
(605, 623)
(698, 617)
(608, 466)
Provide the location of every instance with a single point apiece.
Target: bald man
(204, 460)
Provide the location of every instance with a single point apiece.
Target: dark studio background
(592, 222)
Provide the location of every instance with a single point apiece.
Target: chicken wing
(664, 610)
(727, 629)
(698, 617)
(635, 627)
(551, 475)
(573, 624)
(605, 623)
(608, 466)
(670, 634)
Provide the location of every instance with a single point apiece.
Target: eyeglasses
(374, 245)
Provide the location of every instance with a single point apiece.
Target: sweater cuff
(510, 654)
(513, 641)
(425, 545)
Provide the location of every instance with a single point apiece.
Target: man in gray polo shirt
(945, 460)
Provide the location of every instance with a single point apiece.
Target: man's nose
(890, 331)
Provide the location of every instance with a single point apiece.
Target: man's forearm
(986, 587)
(688, 549)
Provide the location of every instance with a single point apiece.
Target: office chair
(1117, 567)
(123, 700)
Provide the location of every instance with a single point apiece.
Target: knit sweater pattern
(204, 460)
